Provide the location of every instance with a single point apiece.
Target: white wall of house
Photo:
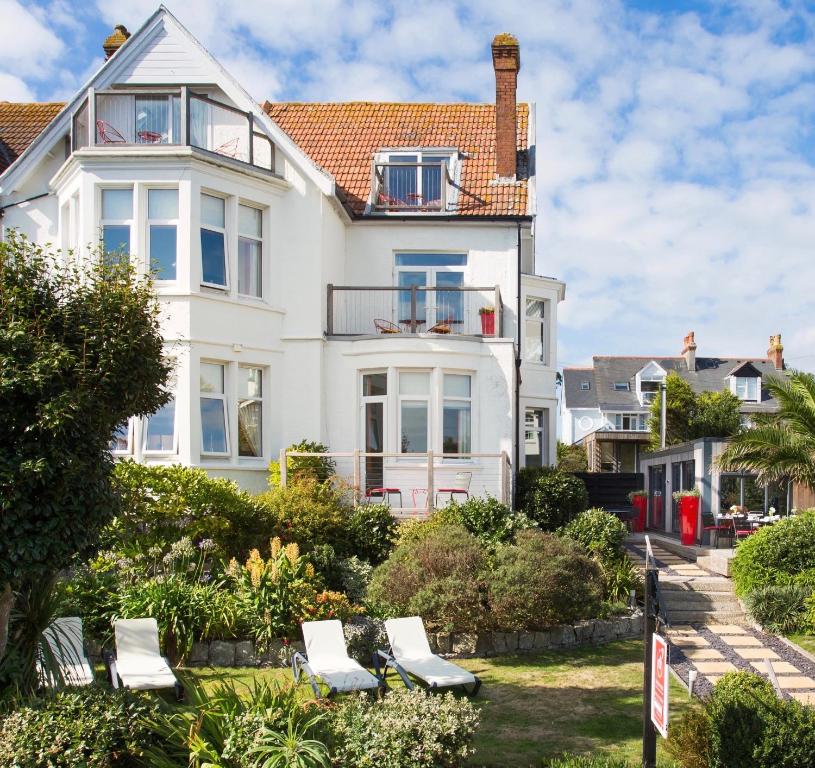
(579, 422)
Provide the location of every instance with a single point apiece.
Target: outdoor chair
(108, 134)
(742, 528)
(410, 654)
(138, 663)
(68, 663)
(386, 201)
(229, 148)
(327, 660)
(386, 326)
(383, 495)
(462, 487)
(716, 527)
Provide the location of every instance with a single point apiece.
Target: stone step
(701, 603)
(696, 585)
(683, 616)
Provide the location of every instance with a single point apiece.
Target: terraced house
(358, 274)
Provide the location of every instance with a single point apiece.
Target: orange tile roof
(342, 139)
(20, 124)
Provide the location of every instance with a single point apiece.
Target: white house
(346, 273)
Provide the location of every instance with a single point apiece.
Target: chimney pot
(775, 352)
(689, 351)
(115, 40)
(506, 60)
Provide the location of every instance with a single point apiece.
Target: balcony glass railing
(171, 116)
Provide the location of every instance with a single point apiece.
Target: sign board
(659, 684)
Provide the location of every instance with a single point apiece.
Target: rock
(542, 641)
(199, 655)
(485, 644)
(584, 632)
(526, 641)
(565, 636)
(433, 642)
(444, 642)
(603, 631)
(464, 643)
(221, 654)
(636, 625)
(622, 626)
(245, 654)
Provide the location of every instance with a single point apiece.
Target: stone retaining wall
(241, 653)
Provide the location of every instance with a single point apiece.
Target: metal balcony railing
(389, 310)
(169, 116)
(411, 186)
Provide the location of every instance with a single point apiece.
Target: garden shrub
(438, 576)
(689, 738)
(599, 532)
(551, 497)
(405, 729)
(621, 576)
(789, 738)
(363, 637)
(541, 581)
(372, 532)
(90, 727)
(319, 468)
(92, 592)
(778, 554)
(586, 761)
(486, 518)
(781, 608)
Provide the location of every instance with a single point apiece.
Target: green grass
(535, 707)
(807, 642)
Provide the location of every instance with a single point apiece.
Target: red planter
(688, 517)
(488, 323)
(640, 504)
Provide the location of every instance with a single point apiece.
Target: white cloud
(14, 89)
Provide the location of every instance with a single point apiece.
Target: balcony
(173, 116)
(412, 187)
(386, 310)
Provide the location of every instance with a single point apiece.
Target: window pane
(456, 385)
(213, 425)
(250, 382)
(249, 267)
(456, 435)
(213, 257)
(533, 444)
(534, 308)
(160, 430)
(116, 238)
(152, 119)
(431, 259)
(120, 442)
(408, 280)
(249, 221)
(414, 383)
(449, 304)
(163, 250)
(534, 340)
(117, 204)
(212, 211)
(212, 378)
(249, 428)
(374, 384)
(401, 182)
(162, 203)
(414, 427)
(431, 182)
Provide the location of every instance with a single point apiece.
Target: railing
(411, 186)
(390, 310)
(171, 116)
(412, 484)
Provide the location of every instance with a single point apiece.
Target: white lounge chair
(66, 646)
(139, 664)
(410, 654)
(327, 660)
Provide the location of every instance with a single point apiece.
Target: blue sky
(676, 140)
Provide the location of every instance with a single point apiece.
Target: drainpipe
(663, 414)
(517, 461)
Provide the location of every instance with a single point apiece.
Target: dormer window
(747, 388)
(648, 382)
(585, 386)
(412, 180)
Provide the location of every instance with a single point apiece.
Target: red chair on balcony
(462, 487)
(386, 201)
(108, 134)
(384, 495)
(229, 148)
(149, 137)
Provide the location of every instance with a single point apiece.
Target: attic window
(412, 181)
(747, 388)
(585, 385)
(622, 386)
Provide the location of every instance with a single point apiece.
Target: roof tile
(20, 124)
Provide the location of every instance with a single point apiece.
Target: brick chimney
(689, 351)
(775, 353)
(506, 59)
(115, 40)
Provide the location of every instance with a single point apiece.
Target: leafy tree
(781, 446)
(319, 468)
(716, 414)
(679, 412)
(80, 351)
(572, 458)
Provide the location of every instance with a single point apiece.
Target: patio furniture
(326, 659)
(109, 134)
(442, 328)
(149, 137)
(386, 326)
(138, 663)
(462, 487)
(410, 654)
(385, 494)
(64, 643)
(742, 528)
(228, 148)
(386, 201)
(714, 525)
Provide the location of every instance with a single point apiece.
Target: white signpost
(659, 684)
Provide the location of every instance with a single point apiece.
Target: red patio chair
(712, 525)
(462, 487)
(385, 494)
(229, 148)
(109, 134)
(149, 137)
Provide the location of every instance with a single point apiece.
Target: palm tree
(781, 446)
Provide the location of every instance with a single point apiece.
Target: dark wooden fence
(610, 489)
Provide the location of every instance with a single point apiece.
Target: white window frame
(241, 399)
(745, 395)
(443, 400)
(538, 432)
(585, 386)
(430, 272)
(622, 386)
(163, 223)
(212, 228)
(638, 417)
(427, 399)
(543, 358)
(223, 397)
(103, 222)
(254, 238)
(145, 428)
(387, 155)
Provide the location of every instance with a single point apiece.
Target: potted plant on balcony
(487, 315)
(639, 500)
(688, 502)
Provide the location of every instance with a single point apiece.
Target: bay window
(250, 411)
(535, 327)
(414, 411)
(162, 232)
(214, 433)
(456, 414)
(250, 251)
(117, 221)
(159, 430)
(213, 242)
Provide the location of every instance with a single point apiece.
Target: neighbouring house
(605, 407)
(359, 274)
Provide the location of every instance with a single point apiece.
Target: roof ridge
(33, 103)
(392, 103)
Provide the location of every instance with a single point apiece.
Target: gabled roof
(744, 369)
(343, 138)
(20, 124)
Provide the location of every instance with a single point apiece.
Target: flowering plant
(690, 493)
(637, 494)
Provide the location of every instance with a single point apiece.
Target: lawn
(537, 706)
(807, 642)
